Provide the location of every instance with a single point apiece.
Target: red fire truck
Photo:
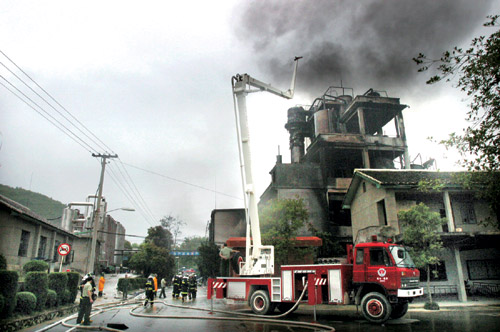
(379, 276)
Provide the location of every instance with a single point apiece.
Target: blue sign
(185, 253)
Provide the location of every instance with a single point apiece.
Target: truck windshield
(401, 257)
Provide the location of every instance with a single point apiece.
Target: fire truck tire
(399, 310)
(260, 303)
(376, 308)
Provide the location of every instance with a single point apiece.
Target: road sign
(64, 249)
(184, 253)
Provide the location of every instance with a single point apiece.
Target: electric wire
(181, 181)
(59, 104)
(87, 148)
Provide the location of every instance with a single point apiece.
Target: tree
(281, 220)
(420, 234)
(173, 225)
(160, 237)
(190, 243)
(209, 260)
(478, 72)
(153, 259)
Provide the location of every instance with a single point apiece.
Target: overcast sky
(152, 80)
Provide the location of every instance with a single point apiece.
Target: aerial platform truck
(379, 276)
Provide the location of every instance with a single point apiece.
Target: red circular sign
(64, 249)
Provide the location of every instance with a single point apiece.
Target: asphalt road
(178, 316)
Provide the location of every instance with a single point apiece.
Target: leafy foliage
(209, 260)
(51, 299)
(72, 285)
(420, 233)
(25, 302)
(478, 71)
(160, 237)
(35, 265)
(3, 262)
(38, 203)
(37, 283)
(8, 280)
(173, 225)
(281, 220)
(153, 259)
(58, 281)
(130, 283)
(190, 243)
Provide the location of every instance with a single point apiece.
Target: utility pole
(97, 211)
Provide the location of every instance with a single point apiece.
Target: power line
(181, 181)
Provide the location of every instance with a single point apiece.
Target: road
(174, 315)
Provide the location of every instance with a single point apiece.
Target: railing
(482, 288)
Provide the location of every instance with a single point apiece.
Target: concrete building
(471, 248)
(328, 140)
(25, 235)
(112, 238)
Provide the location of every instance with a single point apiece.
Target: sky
(150, 81)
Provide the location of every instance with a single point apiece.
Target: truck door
(359, 268)
(380, 269)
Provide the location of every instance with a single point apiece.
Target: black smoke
(361, 43)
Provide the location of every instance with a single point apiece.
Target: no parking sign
(64, 249)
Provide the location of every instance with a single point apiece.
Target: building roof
(399, 178)
(25, 212)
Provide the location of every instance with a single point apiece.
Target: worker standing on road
(149, 287)
(85, 303)
(177, 285)
(193, 287)
(155, 280)
(125, 287)
(163, 284)
(225, 253)
(101, 285)
(184, 288)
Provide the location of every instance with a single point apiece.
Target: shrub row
(8, 280)
(132, 283)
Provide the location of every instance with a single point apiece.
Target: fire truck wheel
(376, 308)
(399, 310)
(260, 303)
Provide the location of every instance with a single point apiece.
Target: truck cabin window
(359, 256)
(378, 256)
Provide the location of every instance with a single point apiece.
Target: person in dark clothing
(149, 287)
(184, 288)
(193, 286)
(177, 284)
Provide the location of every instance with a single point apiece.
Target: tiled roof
(23, 210)
(395, 177)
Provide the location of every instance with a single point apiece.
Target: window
(483, 269)
(438, 272)
(55, 258)
(42, 247)
(382, 216)
(378, 256)
(23, 245)
(467, 212)
(359, 256)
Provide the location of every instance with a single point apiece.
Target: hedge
(35, 265)
(26, 302)
(51, 299)
(72, 285)
(58, 281)
(2, 302)
(3, 262)
(67, 297)
(133, 283)
(8, 280)
(37, 283)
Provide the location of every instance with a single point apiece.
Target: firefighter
(184, 287)
(193, 286)
(177, 284)
(149, 287)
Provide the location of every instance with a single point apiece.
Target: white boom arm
(259, 259)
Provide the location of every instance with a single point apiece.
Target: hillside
(38, 203)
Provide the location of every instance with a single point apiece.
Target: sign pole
(60, 265)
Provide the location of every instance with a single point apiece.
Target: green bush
(72, 285)
(3, 262)
(35, 265)
(67, 297)
(58, 282)
(2, 302)
(37, 283)
(26, 302)
(8, 280)
(431, 306)
(51, 299)
(124, 282)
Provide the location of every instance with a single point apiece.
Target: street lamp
(93, 246)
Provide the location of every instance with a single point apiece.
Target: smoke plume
(361, 43)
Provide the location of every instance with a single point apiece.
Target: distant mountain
(38, 203)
